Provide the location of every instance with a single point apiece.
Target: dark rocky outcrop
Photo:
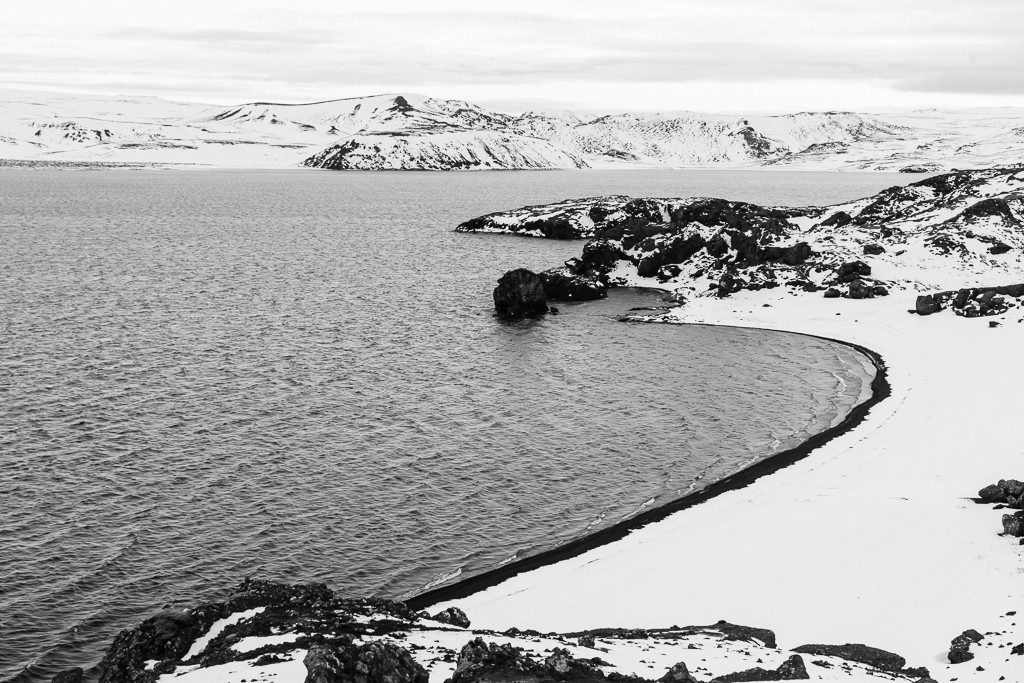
(340, 661)
(482, 661)
(601, 255)
(959, 647)
(872, 656)
(453, 616)
(520, 293)
(970, 302)
(793, 669)
(1013, 524)
(167, 635)
(678, 673)
(562, 284)
(1007, 491)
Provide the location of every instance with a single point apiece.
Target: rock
(838, 219)
(586, 641)
(927, 304)
(69, 676)
(854, 652)
(1013, 525)
(999, 248)
(560, 284)
(563, 666)
(520, 293)
(852, 270)
(482, 661)
(373, 662)
(860, 290)
(745, 633)
(576, 266)
(454, 616)
(380, 662)
(959, 647)
(993, 323)
(792, 669)
(167, 635)
(1017, 649)
(601, 255)
(678, 674)
(874, 249)
(832, 293)
(879, 290)
(992, 494)
(323, 664)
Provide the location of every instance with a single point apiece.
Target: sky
(595, 56)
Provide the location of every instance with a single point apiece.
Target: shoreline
(880, 390)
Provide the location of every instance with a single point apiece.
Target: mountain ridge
(407, 131)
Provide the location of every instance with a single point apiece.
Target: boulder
(959, 647)
(838, 219)
(340, 661)
(1013, 525)
(832, 293)
(678, 674)
(453, 616)
(482, 661)
(560, 284)
(874, 249)
(928, 304)
(860, 290)
(879, 290)
(587, 641)
(601, 255)
(852, 270)
(520, 293)
(854, 652)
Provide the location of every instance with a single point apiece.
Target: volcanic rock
(520, 293)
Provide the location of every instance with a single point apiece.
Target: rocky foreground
(965, 225)
(266, 631)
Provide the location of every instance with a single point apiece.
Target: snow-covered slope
(407, 131)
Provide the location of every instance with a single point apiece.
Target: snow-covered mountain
(405, 131)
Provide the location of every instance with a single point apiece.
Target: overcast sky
(595, 55)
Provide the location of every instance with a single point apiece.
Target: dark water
(206, 375)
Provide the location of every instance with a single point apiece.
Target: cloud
(262, 49)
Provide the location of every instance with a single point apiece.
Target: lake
(297, 375)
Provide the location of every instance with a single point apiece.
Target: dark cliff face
(723, 247)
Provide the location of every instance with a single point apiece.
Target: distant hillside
(413, 132)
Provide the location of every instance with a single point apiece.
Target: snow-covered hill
(406, 131)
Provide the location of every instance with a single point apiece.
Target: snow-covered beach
(872, 539)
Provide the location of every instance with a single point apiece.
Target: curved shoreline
(880, 390)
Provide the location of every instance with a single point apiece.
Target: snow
(396, 131)
(217, 628)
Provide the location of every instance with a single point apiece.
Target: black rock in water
(520, 293)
